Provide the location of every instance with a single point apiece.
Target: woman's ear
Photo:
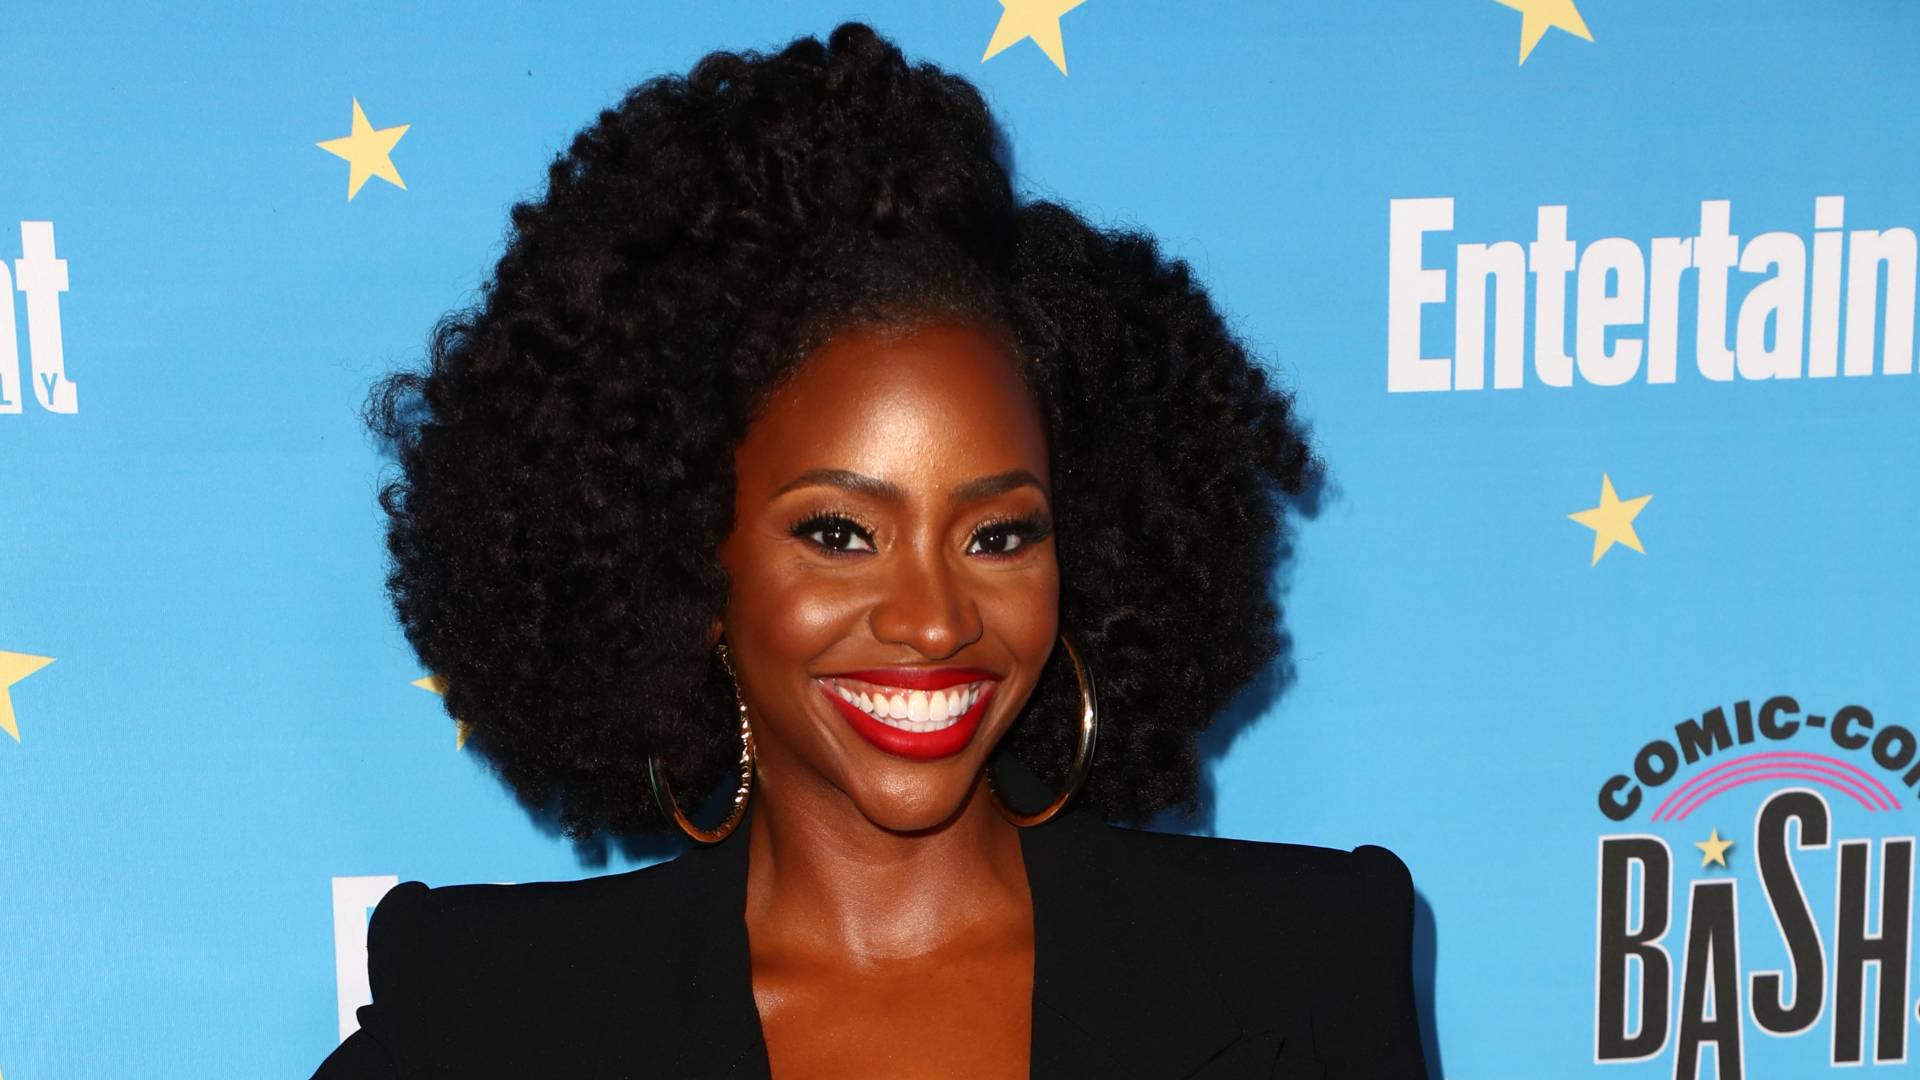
(714, 630)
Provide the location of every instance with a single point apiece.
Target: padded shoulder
(1292, 924)
(1317, 885)
(459, 973)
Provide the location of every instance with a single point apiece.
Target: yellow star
(367, 151)
(1713, 849)
(1538, 16)
(1612, 520)
(434, 684)
(15, 666)
(1036, 19)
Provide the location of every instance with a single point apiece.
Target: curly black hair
(565, 455)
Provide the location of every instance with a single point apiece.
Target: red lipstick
(889, 734)
(921, 678)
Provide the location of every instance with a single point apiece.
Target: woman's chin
(915, 805)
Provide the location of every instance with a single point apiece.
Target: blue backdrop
(1602, 311)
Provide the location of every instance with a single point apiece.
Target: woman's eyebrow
(984, 487)
(846, 479)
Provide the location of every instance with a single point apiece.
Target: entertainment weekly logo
(1625, 320)
(42, 278)
(1659, 986)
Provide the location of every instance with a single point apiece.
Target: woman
(788, 453)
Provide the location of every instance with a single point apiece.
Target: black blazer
(1156, 956)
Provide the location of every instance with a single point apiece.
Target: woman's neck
(825, 881)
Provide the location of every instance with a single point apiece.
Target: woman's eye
(1007, 537)
(835, 534)
(999, 541)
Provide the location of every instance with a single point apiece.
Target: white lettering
(1551, 255)
(1871, 248)
(1780, 319)
(1409, 286)
(1619, 258)
(43, 278)
(1823, 346)
(1714, 253)
(1506, 263)
(1780, 298)
(1672, 257)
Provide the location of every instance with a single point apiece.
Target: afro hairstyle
(564, 453)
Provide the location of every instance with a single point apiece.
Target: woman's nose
(926, 607)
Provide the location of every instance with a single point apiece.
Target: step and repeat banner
(1602, 312)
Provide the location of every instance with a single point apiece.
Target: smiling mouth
(919, 711)
(932, 719)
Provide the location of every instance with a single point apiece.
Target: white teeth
(915, 710)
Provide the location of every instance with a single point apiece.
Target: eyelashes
(834, 533)
(1020, 532)
(840, 534)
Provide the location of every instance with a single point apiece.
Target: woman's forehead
(932, 402)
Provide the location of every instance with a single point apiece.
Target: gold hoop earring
(663, 793)
(1083, 755)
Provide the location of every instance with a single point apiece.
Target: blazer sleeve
(398, 959)
(1380, 1036)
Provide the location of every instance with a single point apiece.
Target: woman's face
(894, 593)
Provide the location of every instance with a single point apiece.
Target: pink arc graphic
(1777, 765)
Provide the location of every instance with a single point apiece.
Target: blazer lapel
(1117, 992)
(688, 1011)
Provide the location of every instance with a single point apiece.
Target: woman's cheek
(1023, 608)
(809, 612)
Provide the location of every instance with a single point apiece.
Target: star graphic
(1036, 19)
(15, 666)
(1612, 520)
(1538, 16)
(1713, 849)
(434, 684)
(367, 152)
